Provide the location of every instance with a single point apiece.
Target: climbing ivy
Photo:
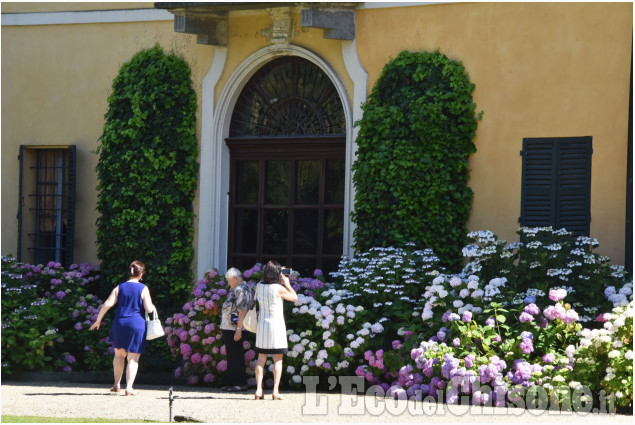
(147, 173)
(411, 170)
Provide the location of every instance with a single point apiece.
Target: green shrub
(546, 259)
(147, 175)
(605, 357)
(390, 280)
(46, 313)
(411, 170)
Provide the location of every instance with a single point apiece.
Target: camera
(286, 272)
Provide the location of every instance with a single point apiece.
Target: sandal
(115, 389)
(130, 392)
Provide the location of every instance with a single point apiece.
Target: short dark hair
(137, 268)
(271, 272)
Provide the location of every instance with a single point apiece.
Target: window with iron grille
(46, 208)
(556, 183)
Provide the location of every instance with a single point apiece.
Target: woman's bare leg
(260, 371)
(118, 364)
(277, 373)
(131, 371)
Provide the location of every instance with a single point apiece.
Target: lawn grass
(45, 419)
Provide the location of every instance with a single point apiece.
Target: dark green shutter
(573, 210)
(556, 183)
(538, 191)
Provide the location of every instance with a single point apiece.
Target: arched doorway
(287, 143)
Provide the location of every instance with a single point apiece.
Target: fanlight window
(289, 96)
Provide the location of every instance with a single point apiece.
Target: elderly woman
(234, 310)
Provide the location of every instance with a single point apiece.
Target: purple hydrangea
(186, 351)
(529, 299)
(549, 358)
(469, 360)
(525, 317)
(532, 309)
(526, 346)
(467, 316)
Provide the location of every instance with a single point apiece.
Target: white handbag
(250, 322)
(153, 327)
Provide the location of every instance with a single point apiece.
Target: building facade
(553, 81)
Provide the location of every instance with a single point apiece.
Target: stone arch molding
(214, 174)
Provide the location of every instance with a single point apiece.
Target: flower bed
(491, 334)
(545, 318)
(43, 308)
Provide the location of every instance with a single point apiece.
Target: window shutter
(538, 191)
(574, 185)
(556, 185)
(72, 177)
(20, 202)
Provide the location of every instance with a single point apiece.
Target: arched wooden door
(287, 147)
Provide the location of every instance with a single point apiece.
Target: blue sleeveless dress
(128, 329)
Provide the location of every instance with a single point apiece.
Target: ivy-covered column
(411, 170)
(147, 174)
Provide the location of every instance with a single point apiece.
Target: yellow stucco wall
(56, 80)
(245, 38)
(32, 7)
(541, 70)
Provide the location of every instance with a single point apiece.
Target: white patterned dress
(271, 335)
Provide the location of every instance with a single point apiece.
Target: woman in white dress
(271, 335)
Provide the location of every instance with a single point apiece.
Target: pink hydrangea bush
(194, 335)
(496, 361)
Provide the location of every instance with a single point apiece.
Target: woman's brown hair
(271, 272)
(137, 268)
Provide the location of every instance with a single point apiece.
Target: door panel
(287, 204)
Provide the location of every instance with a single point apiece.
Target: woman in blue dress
(128, 332)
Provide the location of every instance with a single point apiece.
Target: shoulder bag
(250, 322)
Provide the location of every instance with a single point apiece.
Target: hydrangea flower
(557, 294)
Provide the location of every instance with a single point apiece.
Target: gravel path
(76, 400)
